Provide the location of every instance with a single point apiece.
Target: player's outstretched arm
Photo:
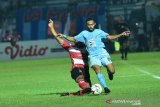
(54, 33)
(69, 38)
(125, 33)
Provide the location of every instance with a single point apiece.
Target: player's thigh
(125, 45)
(77, 73)
(94, 60)
(105, 60)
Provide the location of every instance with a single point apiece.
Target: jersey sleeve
(103, 34)
(66, 45)
(79, 37)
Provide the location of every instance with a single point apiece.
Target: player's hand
(60, 35)
(50, 24)
(126, 33)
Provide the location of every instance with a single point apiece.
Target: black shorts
(76, 72)
(123, 40)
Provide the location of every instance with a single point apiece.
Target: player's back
(75, 55)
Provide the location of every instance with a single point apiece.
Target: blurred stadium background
(27, 20)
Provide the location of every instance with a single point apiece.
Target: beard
(90, 30)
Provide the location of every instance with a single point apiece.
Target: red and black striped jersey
(75, 55)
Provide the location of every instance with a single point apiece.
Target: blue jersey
(92, 40)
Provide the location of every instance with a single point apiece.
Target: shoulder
(98, 30)
(66, 44)
(84, 32)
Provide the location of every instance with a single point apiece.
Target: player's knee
(112, 71)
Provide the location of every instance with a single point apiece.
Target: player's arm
(54, 33)
(69, 38)
(125, 33)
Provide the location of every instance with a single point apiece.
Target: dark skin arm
(110, 37)
(54, 33)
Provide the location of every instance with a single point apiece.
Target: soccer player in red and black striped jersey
(77, 62)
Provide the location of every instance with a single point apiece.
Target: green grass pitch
(36, 83)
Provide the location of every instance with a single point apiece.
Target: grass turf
(37, 83)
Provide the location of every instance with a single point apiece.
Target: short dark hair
(89, 19)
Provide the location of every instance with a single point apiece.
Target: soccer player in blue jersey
(98, 56)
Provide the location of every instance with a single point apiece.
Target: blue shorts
(100, 60)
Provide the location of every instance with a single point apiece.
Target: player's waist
(77, 61)
(77, 66)
(97, 51)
